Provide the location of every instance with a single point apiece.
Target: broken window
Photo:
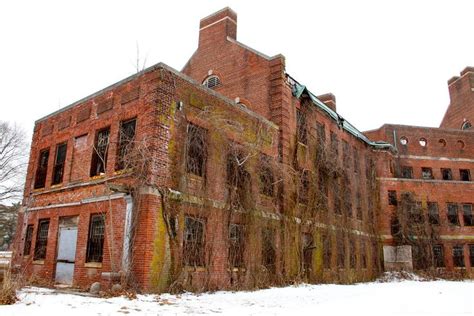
(464, 175)
(41, 240)
(266, 177)
(340, 251)
(458, 256)
(352, 253)
(392, 197)
(301, 127)
(99, 152)
(42, 169)
(236, 246)
(308, 248)
(193, 244)
(453, 214)
(95, 242)
(467, 215)
(334, 144)
(447, 174)
(28, 240)
(326, 251)
(196, 150)
(407, 172)
(433, 213)
(59, 162)
(303, 194)
(438, 256)
(268, 249)
(125, 145)
(471, 255)
(426, 173)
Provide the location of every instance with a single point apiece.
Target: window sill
(100, 176)
(237, 270)
(122, 171)
(93, 265)
(195, 269)
(38, 262)
(54, 186)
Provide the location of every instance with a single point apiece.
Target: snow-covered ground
(391, 298)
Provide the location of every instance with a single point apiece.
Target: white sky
(386, 61)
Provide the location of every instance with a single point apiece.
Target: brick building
(230, 174)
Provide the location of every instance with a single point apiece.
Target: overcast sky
(386, 61)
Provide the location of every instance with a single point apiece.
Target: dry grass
(8, 288)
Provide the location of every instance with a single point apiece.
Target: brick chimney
(329, 99)
(218, 26)
(461, 87)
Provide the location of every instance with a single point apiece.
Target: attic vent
(211, 82)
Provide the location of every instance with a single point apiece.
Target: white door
(66, 255)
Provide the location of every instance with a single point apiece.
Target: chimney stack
(218, 26)
(329, 99)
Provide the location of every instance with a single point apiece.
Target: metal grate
(95, 244)
(236, 246)
(193, 248)
(212, 82)
(41, 240)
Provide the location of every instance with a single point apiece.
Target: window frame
(458, 256)
(41, 169)
(446, 174)
(100, 153)
(41, 244)
(453, 219)
(125, 142)
(95, 242)
(194, 247)
(28, 240)
(58, 168)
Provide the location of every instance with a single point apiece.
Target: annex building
(232, 174)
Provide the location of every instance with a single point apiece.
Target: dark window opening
(337, 197)
(438, 256)
(211, 82)
(326, 251)
(321, 133)
(125, 145)
(467, 215)
(303, 194)
(426, 173)
(334, 144)
(266, 177)
(346, 159)
(193, 248)
(458, 256)
(392, 197)
(196, 146)
(359, 204)
(466, 125)
(42, 169)
(99, 152)
(236, 246)
(28, 240)
(59, 162)
(447, 174)
(340, 251)
(41, 240)
(356, 160)
(471, 255)
(323, 187)
(308, 248)
(453, 217)
(407, 172)
(301, 127)
(433, 213)
(352, 254)
(465, 174)
(268, 249)
(416, 213)
(363, 253)
(95, 242)
(347, 203)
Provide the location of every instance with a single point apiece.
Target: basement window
(447, 174)
(438, 256)
(193, 247)
(458, 256)
(196, 149)
(426, 173)
(42, 169)
(125, 145)
(95, 243)
(465, 174)
(407, 172)
(392, 197)
(433, 213)
(467, 215)
(453, 217)
(28, 240)
(211, 82)
(41, 240)
(268, 249)
(99, 152)
(59, 162)
(236, 246)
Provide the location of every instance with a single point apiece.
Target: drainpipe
(127, 233)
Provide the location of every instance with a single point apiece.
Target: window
(392, 197)
(446, 173)
(340, 251)
(407, 172)
(347, 203)
(42, 169)
(308, 247)
(334, 144)
(303, 194)
(356, 159)
(438, 256)
(266, 177)
(323, 187)
(28, 239)
(467, 215)
(471, 255)
(58, 170)
(453, 214)
(464, 175)
(193, 248)
(403, 140)
(211, 82)
(236, 174)
(433, 213)
(422, 142)
(336, 197)
(321, 133)
(458, 256)
(268, 249)
(236, 246)
(466, 125)
(326, 251)
(352, 253)
(301, 127)
(426, 173)
(99, 152)
(41, 240)
(359, 204)
(363, 254)
(95, 243)
(196, 150)
(125, 143)
(346, 160)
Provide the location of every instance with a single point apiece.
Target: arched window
(211, 82)
(466, 125)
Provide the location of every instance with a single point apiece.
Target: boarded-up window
(65, 122)
(42, 169)
(193, 245)
(105, 106)
(125, 145)
(83, 114)
(196, 150)
(41, 240)
(130, 96)
(99, 152)
(95, 242)
(28, 240)
(236, 246)
(59, 162)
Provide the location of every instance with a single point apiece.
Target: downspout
(127, 233)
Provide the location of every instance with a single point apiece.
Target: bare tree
(13, 153)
